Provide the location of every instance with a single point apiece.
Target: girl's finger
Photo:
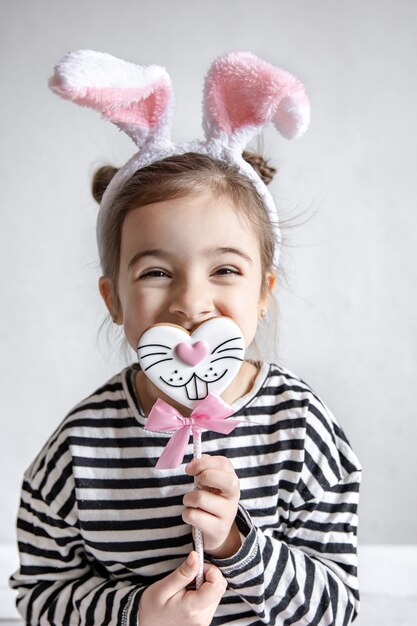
(206, 462)
(206, 501)
(213, 587)
(226, 482)
(206, 522)
(215, 529)
(179, 579)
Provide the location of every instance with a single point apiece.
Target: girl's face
(185, 260)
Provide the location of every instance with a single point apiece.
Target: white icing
(212, 355)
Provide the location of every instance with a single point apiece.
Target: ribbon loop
(210, 414)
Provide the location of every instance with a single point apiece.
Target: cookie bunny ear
(243, 93)
(139, 100)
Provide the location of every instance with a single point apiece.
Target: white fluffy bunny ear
(243, 93)
(139, 100)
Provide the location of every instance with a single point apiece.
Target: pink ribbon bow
(210, 413)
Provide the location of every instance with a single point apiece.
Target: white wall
(348, 321)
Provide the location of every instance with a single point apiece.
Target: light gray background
(348, 304)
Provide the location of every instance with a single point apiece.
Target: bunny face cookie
(187, 366)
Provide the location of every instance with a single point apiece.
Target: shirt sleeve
(57, 584)
(303, 571)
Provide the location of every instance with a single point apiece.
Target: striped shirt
(98, 523)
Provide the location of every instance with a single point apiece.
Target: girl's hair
(176, 177)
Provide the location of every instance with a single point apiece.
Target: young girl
(186, 233)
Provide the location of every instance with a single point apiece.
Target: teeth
(196, 389)
(202, 389)
(191, 389)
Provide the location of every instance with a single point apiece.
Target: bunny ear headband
(242, 94)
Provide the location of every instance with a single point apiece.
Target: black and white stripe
(98, 523)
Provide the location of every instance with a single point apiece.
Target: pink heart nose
(192, 354)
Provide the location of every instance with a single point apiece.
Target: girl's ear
(266, 293)
(243, 94)
(139, 100)
(110, 298)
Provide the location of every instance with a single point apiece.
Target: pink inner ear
(243, 90)
(144, 106)
(235, 101)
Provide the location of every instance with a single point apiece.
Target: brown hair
(176, 177)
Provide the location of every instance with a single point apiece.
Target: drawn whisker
(157, 363)
(223, 343)
(154, 345)
(144, 356)
(227, 349)
(226, 357)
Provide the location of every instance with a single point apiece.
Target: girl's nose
(191, 302)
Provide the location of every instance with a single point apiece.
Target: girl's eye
(153, 274)
(227, 271)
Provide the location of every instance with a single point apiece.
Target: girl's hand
(168, 602)
(213, 506)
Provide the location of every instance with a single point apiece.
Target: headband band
(242, 94)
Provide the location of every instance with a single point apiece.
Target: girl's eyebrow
(139, 255)
(227, 250)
